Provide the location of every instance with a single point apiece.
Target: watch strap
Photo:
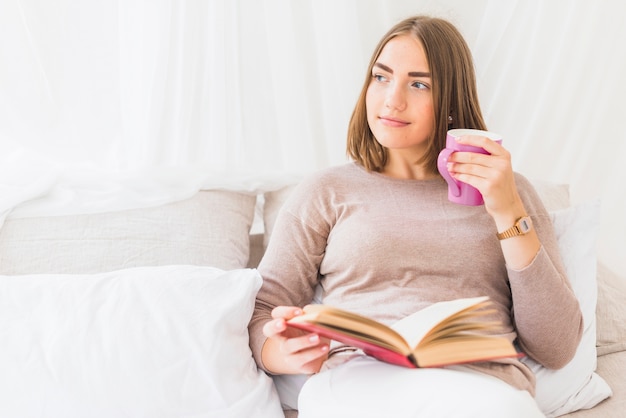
(522, 226)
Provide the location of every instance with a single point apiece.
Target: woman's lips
(392, 122)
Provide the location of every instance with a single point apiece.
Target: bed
(143, 311)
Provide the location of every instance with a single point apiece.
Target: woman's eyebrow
(411, 73)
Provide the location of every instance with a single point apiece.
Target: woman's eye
(419, 85)
(379, 77)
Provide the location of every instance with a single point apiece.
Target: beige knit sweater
(386, 247)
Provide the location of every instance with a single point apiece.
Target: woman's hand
(291, 351)
(493, 176)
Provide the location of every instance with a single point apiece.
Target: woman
(380, 237)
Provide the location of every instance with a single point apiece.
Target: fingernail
(297, 312)
(314, 338)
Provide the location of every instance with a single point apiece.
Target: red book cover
(381, 353)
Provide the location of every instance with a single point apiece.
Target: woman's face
(399, 98)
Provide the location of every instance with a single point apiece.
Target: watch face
(524, 225)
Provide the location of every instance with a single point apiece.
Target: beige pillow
(209, 229)
(273, 201)
(610, 312)
(553, 195)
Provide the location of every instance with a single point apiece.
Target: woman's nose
(396, 98)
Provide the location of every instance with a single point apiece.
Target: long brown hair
(453, 88)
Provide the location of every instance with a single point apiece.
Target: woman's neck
(402, 168)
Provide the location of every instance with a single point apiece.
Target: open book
(444, 333)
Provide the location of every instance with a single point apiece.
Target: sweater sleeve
(290, 265)
(545, 310)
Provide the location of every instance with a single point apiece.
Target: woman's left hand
(491, 174)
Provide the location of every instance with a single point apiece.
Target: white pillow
(576, 386)
(166, 341)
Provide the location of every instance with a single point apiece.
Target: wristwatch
(522, 226)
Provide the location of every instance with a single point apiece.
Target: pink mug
(459, 192)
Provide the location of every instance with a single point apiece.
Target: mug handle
(442, 162)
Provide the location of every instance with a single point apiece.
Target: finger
(489, 145)
(471, 158)
(473, 162)
(298, 344)
(286, 312)
(274, 328)
(278, 325)
(305, 353)
(468, 172)
(480, 183)
(311, 360)
(493, 171)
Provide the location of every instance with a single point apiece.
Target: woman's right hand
(289, 350)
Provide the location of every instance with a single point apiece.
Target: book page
(352, 324)
(415, 326)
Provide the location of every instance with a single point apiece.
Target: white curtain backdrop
(215, 90)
